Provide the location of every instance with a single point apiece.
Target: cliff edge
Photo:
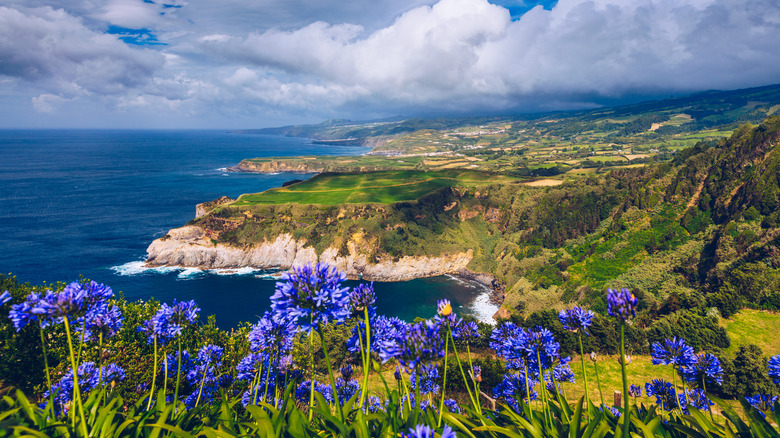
(189, 246)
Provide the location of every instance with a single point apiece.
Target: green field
(372, 188)
(754, 327)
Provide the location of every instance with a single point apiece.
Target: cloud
(245, 60)
(56, 52)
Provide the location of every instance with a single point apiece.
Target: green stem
(256, 383)
(598, 383)
(543, 390)
(267, 378)
(46, 364)
(416, 396)
(367, 360)
(444, 378)
(100, 359)
(165, 376)
(330, 371)
(154, 375)
(465, 380)
(626, 414)
(584, 372)
(527, 387)
(311, 367)
(178, 373)
(76, 389)
(200, 389)
(471, 366)
(704, 387)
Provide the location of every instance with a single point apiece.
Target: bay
(87, 203)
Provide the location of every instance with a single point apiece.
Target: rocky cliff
(190, 247)
(277, 166)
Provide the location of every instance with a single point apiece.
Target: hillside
(703, 225)
(569, 144)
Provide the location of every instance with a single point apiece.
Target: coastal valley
(670, 198)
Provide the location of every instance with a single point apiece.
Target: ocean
(79, 203)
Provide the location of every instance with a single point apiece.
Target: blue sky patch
(519, 7)
(136, 37)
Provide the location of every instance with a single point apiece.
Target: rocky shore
(190, 247)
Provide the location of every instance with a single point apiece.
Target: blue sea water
(88, 203)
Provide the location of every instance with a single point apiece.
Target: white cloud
(239, 60)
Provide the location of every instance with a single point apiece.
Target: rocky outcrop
(204, 208)
(190, 247)
(277, 167)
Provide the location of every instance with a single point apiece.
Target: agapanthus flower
(703, 369)
(576, 319)
(452, 405)
(465, 331)
(612, 410)
(506, 339)
(88, 378)
(425, 431)
(397, 374)
(562, 372)
(187, 363)
(698, 399)
(5, 297)
(476, 373)
(346, 389)
(70, 302)
(102, 318)
(445, 314)
(21, 314)
(540, 345)
(304, 390)
(423, 343)
(346, 371)
(621, 304)
(635, 391)
(272, 333)
(375, 404)
(665, 395)
(762, 402)
(250, 365)
(774, 368)
(169, 321)
(363, 297)
(311, 296)
(513, 389)
(384, 330)
(428, 375)
(672, 352)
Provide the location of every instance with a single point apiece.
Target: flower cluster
(703, 369)
(169, 321)
(310, 296)
(363, 297)
(635, 391)
(774, 368)
(621, 304)
(672, 352)
(763, 402)
(665, 395)
(304, 390)
(421, 344)
(76, 301)
(90, 376)
(384, 330)
(424, 431)
(5, 297)
(272, 333)
(576, 319)
(465, 331)
(427, 375)
(513, 389)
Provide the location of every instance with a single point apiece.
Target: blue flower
(384, 330)
(425, 431)
(465, 331)
(4, 298)
(169, 321)
(698, 399)
(304, 389)
(346, 371)
(102, 318)
(21, 314)
(763, 402)
(375, 404)
(701, 367)
(540, 345)
(576, 319)
(774, 368)
(452, 405)
(271, 333)
(672, 352)
(635, 391)
(428, 375)
(311, 296)
(621, 304)
(346, 389)
(250, 365)
(87, 373)
(422, 343)
(665, 395)
(445, 314)
(513, 389)
(506, 339)
(363, 297)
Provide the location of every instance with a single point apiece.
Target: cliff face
(190, 247)
(277, 166)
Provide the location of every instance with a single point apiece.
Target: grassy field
(376, 187)
(754, 327)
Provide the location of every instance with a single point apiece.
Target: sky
(232, 64)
